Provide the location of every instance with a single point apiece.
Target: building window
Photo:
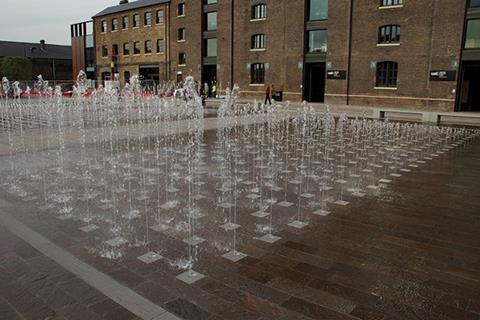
(210, 1)
(474, 3)
(160, 46)
(115, 50)
(318, 10)
(126, 76)
(104, 51)
(106, 75)
(126, 49)
(387, 74)
(147, 19)
(136, 20)
(104, 26)
(259, 11)
(257, 73)
(160, 17)
(182, 59)
(472, 37)
(181, 9)
(211, 21)
(181, 34)
(258, 41)
(389, 34)
(317, 41)
(125, 22)
(148, 47)
(387, 3)
(211, 47)
(114, 24)
(136, 47)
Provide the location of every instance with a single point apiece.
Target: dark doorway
(209, 76)
(314, 87)
(179, 77)
(150, 74)
(106, 76)
(470, 87)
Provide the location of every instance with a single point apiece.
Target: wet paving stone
(79, 312)
(312, 310)
(110, 310)
(221, 290)
(127, 277)
(413, 252)
(7, 311)
(187, 310)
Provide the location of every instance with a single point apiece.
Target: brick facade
(191, 20)
(142, 33)
(283, 28)
(431, 39)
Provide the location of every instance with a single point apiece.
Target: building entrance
(470, 87)
(150, 74)
(209, 76)
(314, 85)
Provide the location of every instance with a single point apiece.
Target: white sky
(33, 20)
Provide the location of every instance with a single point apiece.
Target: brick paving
(413, 253)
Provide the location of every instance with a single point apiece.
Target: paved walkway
(413, 253)
(121, 294)
(405, 114)
(34, 141)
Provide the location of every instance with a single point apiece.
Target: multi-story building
(250, 43)
(468, 92)
(395, 53)
(83, 49)
(132, 38)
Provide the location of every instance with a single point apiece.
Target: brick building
(389, 49)
(132, 38)
(391, 53)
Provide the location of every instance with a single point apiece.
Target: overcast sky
(32, 20)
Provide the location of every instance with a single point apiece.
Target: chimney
(42, 44)
(123, 1)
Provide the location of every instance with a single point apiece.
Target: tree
(1, 72)
(16, 68)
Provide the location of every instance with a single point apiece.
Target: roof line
(128, 7)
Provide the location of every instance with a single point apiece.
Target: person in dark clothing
(268, 93)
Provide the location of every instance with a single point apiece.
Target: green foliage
(16, 68)
(1, 72)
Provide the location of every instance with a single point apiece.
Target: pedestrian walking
(268, 94)
(214, 89)
(206, 89)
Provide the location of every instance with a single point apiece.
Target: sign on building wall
(336, 74)
(443, 75)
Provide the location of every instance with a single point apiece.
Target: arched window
(104, 51)
(259, 11)
(389, 34)
(258, 41)
(257, 73)
(387, 72)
